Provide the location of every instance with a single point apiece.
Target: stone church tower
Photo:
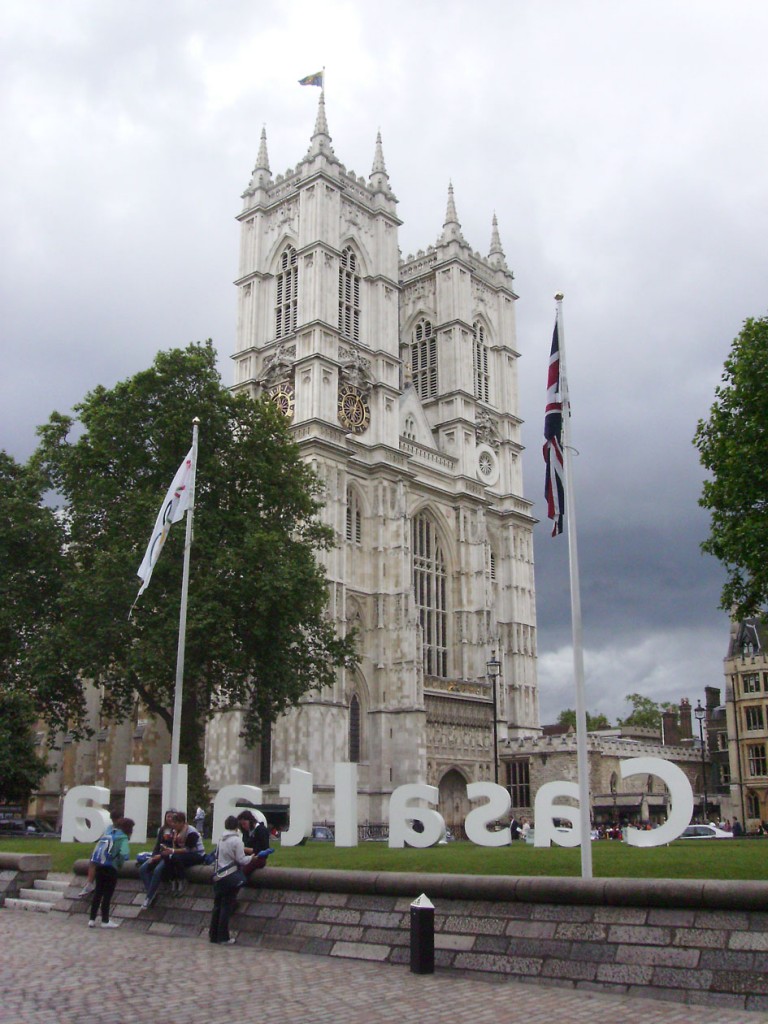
(400, 380)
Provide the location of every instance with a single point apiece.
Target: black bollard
(422, 936)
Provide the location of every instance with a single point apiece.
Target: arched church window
(480, 362)
(430, 589)
(354, 525)
(410, 428)
(354, 729)
(424, 359)
(286, 307)
(349, 296)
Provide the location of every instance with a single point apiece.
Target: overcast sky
(623, 147)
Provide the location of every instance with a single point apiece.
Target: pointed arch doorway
(454, 805)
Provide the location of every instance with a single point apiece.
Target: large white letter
(401, 812)
(83, 817)
(546, 809)
(499, 802)
(137, 800)
(345, 803)
(181, 789)
(680, 796)
(299, 793)
(225, 803)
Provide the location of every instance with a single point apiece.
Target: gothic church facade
(399, 378)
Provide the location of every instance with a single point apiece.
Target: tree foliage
(32, 564)
(646, 713)
(732, 445)
(594, 722)
(258, 636)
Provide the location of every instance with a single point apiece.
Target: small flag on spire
(316, 79)
(553, 440)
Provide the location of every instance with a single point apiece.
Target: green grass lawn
(726, 859)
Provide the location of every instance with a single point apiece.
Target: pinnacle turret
(496, 255)
(379, 179)
(262, 160)
(451, 227)
(321, 139)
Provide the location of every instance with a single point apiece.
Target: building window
(753, 717)
(286, 308)
(756, 759)
(750, 682)
(519, 783)
(354, 525)
(410, 428)
(349, 296)
(492, 566)
(753, 806)
(430, 591)
(480, 362)
(354, 729)
(265, 754)
(725, 773)
(424, 360)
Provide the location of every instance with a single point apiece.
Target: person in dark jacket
(106, 872)
(164, 841)
(255, 840)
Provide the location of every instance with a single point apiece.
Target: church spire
(379, 179)
(261, 176)
(496, 254)
(451, 227)
(321, 139)
(262, 160)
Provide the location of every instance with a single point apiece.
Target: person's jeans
(224, 896)
(152, 875)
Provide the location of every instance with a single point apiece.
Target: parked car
(705, 832)
(322, 833)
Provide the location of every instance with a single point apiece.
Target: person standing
(111, 852)
(199, 820)
(228, 877)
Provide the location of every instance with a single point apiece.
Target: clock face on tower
(354, 413)
(283, 397)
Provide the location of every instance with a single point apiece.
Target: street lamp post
(700, 713)
(493, 668)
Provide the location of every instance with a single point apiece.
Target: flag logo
(177, 501)
(316, 79)
(553, 441)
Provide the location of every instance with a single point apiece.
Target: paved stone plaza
(54, 970)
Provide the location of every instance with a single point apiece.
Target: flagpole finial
(559, 297)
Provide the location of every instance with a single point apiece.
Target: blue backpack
(102, 851)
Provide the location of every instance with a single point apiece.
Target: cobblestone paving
(54, 970)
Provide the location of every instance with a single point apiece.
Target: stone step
(51, 884)
(41, 895)
(36, 906)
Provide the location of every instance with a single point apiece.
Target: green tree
(258, 636)
(732, 445)
(646, 713)
(21, 767)
(594, 722)
(32, 565)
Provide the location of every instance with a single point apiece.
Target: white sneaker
(109, 924)
(91, 924)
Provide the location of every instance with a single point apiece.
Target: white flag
(177, 501)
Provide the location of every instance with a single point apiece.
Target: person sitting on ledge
(255, 840)
(187, 849)
(154, 863)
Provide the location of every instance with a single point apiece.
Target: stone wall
(688, 941)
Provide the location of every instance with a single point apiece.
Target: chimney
(670, 729)
(686, 730)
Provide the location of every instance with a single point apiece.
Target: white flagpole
(582, 757)
(179, 689)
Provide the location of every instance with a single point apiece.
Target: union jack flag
(553, 440)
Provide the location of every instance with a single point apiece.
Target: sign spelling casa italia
(86, 814)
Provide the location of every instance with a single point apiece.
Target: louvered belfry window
(430, 579)
(480, 361)
(424, 360)
(286, 307)
(349, 296)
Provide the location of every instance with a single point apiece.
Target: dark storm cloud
(621, 147)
